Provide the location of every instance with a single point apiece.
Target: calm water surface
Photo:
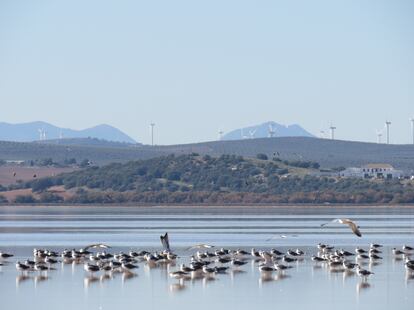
(305, 286)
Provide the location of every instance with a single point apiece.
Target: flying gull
(354, 227)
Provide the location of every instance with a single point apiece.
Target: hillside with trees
(227, 179)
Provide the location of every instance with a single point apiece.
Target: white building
(378, 171)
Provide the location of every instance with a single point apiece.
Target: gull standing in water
(354, 227)
(364, 274)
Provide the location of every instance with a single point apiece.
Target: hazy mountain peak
(267, 129)
(39, 130)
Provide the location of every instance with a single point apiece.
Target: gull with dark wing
(354, 227)
(165, 242)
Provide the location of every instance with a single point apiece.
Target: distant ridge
(27, 132)
(266, 130)
(328, 153)
(93, 142)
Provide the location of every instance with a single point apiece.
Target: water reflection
(128, 275)
(90, 279)
(152, 287)
(40, 278)
(362, 286)
(21, 278)
(282, 276)
(177, 287)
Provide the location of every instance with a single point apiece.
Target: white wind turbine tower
(387, 125)
(220, 134)
(252, 133)
(152, 133)
(379, 135)
(332, 128)
(243, 136)
(42, 134)
(271, 131)
(412, 128)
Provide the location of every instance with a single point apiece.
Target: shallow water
(305, 285)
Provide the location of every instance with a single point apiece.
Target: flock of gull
(206, 262)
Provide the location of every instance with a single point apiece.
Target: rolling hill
(329, 153)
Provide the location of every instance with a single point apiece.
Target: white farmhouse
(379, 171)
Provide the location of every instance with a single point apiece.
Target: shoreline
(216, 206)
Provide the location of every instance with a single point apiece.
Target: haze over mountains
(27, 132)
(268, 129)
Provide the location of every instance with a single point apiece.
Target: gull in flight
(201, 246)
(96, 246)
(281, 237)
(354, 227)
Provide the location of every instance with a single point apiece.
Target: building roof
(378, 166)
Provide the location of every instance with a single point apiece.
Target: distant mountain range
(35, 131)
(268, 129)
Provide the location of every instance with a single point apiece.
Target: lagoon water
(307, 285)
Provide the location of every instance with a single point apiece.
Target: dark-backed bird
(363, 273)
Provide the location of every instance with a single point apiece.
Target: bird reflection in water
(361, 286)
(40, 278)
(207, 280)
(21, 278)
(88, 280)
(281, 276)
(106, 277)
(128, 276)
(177, 287)
(235, 272)
(348, 274)
(409, 277)
(265, 277)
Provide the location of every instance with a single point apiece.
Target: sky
(196, 67)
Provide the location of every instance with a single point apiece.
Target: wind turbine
(242, 134)
(42, 134)
(379, 135)
(152, 133)
(220, 134)
(252, 133)
(271, 131)
(387, 125)
(332, 128)
(412, 128)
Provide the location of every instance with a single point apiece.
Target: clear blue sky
(194, 67)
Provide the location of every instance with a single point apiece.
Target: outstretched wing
(201, 246)
(96, 245)
(165, 242)
(333, 221)
(355, 229)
